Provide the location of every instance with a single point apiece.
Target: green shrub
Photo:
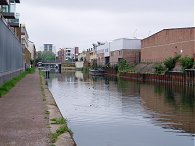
(123, 66)
(186, 62)
(171, 61)
(159, 69)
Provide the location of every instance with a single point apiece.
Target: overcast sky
(70, 23)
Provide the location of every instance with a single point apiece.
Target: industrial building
(167, 43)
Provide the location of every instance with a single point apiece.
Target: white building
(112, 52)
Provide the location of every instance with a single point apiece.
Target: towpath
(22, 115)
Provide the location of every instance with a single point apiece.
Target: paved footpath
(22, 115)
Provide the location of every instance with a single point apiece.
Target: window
(112, 53)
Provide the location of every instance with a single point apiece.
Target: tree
(48, 56)
(45, 56)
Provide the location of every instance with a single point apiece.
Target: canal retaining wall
(66, 138)
(182, 78)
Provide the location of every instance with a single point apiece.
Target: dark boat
(96, 72)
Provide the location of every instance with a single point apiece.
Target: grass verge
(7, 86)
(58, 121)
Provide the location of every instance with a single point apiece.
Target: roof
(126, 39)
(168, 29)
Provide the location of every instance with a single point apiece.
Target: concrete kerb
(53, 112)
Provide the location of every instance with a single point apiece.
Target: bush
(186, 62)
(123, 66)
(159, 69)
(171, 61)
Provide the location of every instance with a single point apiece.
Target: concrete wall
(4, 77)
(124, 43)
(168, 43)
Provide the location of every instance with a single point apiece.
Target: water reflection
(172, 106)
(106, 111)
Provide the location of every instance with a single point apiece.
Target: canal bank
(177, 77)
(64, 137)
(27, 111)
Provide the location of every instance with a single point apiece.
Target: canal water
(105, 111)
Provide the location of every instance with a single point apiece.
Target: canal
(105, 111)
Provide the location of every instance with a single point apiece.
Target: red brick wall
(61, 55)
(167, 43)
(130, 55)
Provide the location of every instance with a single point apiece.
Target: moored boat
(96, 71)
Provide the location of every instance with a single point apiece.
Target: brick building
(68, 54)
(132, 56)
(168, 43)
(61, 55)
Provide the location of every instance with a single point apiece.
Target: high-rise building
(49, 47)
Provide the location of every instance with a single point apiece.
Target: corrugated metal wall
(11, 54)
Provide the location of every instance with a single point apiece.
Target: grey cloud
(68, 23)
(116, 5)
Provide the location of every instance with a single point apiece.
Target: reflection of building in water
(79, 75)
(68, 76)
(173, 106)
(130, 97)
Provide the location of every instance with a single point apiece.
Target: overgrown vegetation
(159, 68)
(123, 66)
(58, 121)
(186, 62)
(6, 87)
(62, 129)
(170, 62)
